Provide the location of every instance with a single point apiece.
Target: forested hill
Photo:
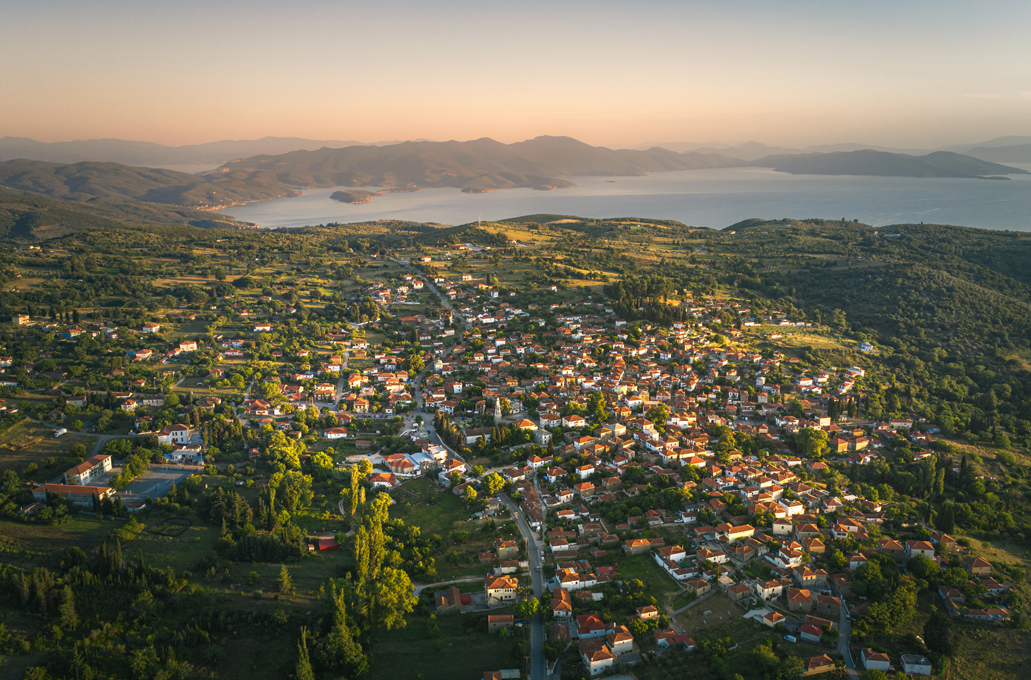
(885, 164)
(85, 181)
(33, 218)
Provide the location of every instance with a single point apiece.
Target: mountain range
(152, 155)
(884, 164)
(473, 166)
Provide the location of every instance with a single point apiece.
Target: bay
(714, 198)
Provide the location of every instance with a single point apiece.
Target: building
(495, 622)
(814, 665)
(82, 496)
(174, 434)
(82, 473)
(590, 626)
(451, 600)
(915, 664)
(561, 603)
(596, 655)
(874, 660)
(500, 590)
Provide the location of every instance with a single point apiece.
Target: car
(790, 638)
(538, 568)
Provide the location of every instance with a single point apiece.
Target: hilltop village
(633, 485)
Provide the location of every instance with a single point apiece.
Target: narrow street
(537, 667)
(844, 633)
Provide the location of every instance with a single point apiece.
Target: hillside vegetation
(36, 218)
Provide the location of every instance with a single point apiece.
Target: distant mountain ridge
(884, 164)
(473, 166)
(477, 165)
(151, 154)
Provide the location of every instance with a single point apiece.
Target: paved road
(844, 632)
(537, 665)
(443, 300)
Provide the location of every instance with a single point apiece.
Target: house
(739, 592)
(648, 612)
(800, 600)
(915, 664)
(771, 619)
(620, 641)
(814, 665)
(451, 600)
(916, 548)
(174, 434)
(501, 590)
(977, 566)
(596, 655)
(384, 480)
(506, 549)
(874, 660)
(639, 546)
(495, 622)
(561, 603)
(809, 632)
(590, 626)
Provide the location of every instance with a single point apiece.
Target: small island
(353, 196)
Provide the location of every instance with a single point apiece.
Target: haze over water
(714, 198)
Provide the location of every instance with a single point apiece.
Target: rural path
(701, 599)
(466, 579)
(105, 438)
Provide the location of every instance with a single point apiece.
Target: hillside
(28, 218)
(884, 164)
(84, 181)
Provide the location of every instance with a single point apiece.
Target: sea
(715, 198)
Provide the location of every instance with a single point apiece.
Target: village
(567, 418)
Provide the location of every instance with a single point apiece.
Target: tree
(527, 609)
(322, 460)
(338, 650)
(69, 619)
(470, 494)
(304, 670)
(494, 482)
(938, 633)
(658, 415)
(811, 442)
(295, 488)
(946, 518)
(394, 599)
(284, 581)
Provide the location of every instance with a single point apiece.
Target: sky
(915, 74)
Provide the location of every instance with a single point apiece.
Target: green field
(417, 651)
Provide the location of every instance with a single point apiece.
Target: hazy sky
(906, 73)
